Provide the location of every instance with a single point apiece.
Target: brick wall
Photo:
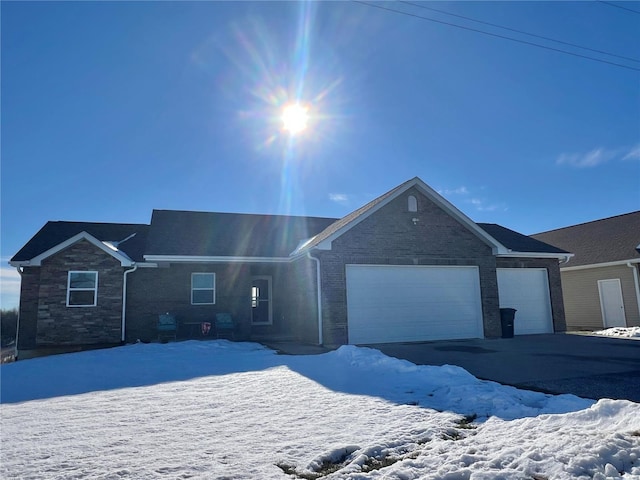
(152, 291)
(58, 324)
(390, 236)
(302, 300)
(555, 284)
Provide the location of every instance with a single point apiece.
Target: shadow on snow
(350, 370)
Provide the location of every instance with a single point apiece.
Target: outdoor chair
(167, 327)
(225, 326)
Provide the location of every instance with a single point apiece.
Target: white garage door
(390, 303)
(526, 290)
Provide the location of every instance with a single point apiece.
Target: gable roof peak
(323, 239)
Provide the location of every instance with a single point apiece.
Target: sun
(295, 118)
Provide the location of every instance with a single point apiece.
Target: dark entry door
(261, 300)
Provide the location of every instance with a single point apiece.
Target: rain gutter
(319, 296)
(124, 300)
(636, 283)
(20, 271)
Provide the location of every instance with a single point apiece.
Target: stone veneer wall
(58, 324)
(28, 324)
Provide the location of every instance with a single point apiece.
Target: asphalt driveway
(587, 366)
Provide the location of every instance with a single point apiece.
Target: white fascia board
(213, 259)
(513, 254)
(601, 265)
(36, 261)
(21, 263)
(116, 249)
(302, 246)
(438, 199)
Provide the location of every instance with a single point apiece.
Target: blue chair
(167, 327)
(225, 325)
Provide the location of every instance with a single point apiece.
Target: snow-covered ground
(626, 332)
(219, 409)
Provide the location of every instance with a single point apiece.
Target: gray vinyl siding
(582, 299)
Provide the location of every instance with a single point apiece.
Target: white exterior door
(526, 290)
(392, 303)
(611, 303)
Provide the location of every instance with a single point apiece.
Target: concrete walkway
(587, 366)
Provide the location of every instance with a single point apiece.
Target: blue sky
(111, 109)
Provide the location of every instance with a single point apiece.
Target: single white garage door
(391, 303)
(526, 290)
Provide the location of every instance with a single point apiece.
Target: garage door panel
(526, 290)
(412, 303)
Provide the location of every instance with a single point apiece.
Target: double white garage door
(392, 303)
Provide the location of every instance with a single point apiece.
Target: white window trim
(94, 289)
(213, 289)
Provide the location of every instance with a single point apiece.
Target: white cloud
(479, 203)
(9, 286)
(456, 191)
(598, 156)
(633, 154)
(483, 206)
(341, 198)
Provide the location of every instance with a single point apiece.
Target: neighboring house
(408, 266)
(600, 283)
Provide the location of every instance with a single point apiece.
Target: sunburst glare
(295, 118)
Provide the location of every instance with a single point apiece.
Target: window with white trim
(203, 288)
(82, 289)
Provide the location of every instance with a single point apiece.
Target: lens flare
(295, 118)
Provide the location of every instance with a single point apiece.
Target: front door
(261, 300)
(611, 303)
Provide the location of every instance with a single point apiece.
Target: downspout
(319, 294)
(20, 271)
(635, 282)
(124, 300)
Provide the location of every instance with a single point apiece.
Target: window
(203, 288)
(255, 296)
(82, 289)
(412, 203)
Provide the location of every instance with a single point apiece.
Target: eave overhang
(601, 265)
(213, 259)
(36, 261)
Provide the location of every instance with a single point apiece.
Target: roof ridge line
(588, 222)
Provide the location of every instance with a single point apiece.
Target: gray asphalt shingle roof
(517, 241)
(54, 233)
(600, 241)
(211, 234)
(229, 234)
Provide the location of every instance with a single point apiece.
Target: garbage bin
(507, 316)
